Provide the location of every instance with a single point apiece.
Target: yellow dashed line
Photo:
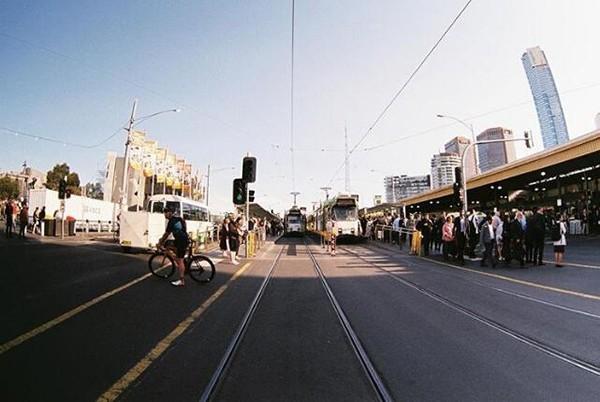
(121, 385)
(46, 326)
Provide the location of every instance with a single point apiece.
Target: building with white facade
(545, 96)
(497, 154)
(442, 168)
(403, 186)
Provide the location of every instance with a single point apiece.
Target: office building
(442, 168)
(545, 96)
(493, 155)
(403, 186)
(458, 145)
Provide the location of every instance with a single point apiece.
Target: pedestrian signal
(250, 195)
(249, 169)
(62, 189)
(239, 191)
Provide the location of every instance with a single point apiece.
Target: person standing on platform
(447, 238)
(425, 226)
(538, 224)
(472, 233)
(517, 234)
(529, 239)
(234, 239)
(461, 235)
(559, 231)
(487, 239)
(224, 237)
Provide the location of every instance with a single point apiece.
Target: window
(157, 206)
(175, 206)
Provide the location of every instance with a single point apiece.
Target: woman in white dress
(560, 244)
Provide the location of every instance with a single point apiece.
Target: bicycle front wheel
(161, 265)
(201, 269)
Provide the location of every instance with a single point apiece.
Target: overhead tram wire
(477, 116)
(292, 103)
(57, 141)
(403, 87)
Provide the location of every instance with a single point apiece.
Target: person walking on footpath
(8, 211)
(224, 237)
(487, 240)
(23, 220)
(559, 231)
(234, 240)
(36, 218)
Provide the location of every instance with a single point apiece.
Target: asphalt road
(83, 321)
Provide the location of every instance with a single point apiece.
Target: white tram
(294, 222)
(343, 209)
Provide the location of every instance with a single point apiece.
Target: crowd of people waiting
(15, 215)
(499, 236)
(233, 233)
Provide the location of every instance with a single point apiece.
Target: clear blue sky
(70, 70)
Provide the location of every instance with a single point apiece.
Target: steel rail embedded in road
(238, 336)
(359, 350)
(530, 341)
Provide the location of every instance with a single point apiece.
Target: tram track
(537, 344)
(220, 374)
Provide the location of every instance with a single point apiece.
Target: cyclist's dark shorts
(181, 248)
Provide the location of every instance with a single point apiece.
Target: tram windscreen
(293, 219)
(345, 213)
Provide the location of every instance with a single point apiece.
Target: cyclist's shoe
(234, 262)
(178, 283)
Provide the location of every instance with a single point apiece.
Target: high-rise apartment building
(496, 154)
(458, 145)
(442, 168)
(403, 186)
(545, 96)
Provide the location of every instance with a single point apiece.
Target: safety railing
(402, 237)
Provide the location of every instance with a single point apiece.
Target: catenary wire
(406, 83)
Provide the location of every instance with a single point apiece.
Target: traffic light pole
(465, 206)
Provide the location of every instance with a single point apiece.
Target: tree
(9, 188)
(57, 173)
(94, 190)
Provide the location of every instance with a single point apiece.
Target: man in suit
(538, 231)
(461, 226)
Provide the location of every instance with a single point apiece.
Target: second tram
(294, 222)
(343, 209)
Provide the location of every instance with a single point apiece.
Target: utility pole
(295, 194)
(126, 158)
(346, 160)
(207, 184)
(326, 189)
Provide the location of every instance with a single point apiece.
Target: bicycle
(199, 267)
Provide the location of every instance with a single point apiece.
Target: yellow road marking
(520, 281)
(121, 385)
(46, 326)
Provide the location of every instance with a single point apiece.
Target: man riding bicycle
(178, 228)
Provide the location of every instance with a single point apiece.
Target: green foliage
(9, 188)
(57, 173)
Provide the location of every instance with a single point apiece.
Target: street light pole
(207, 183)
(470, 127)
(126, 158)
(465, 206)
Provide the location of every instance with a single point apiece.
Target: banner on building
(136, 149)
(161, 164)
(149, 158)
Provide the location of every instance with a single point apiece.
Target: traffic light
(68, 194)
(249, 169)
(62, 189)
(528, 139)
(239, 191)
(250, 195)
(457, 186)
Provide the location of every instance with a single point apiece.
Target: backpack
(555, 232)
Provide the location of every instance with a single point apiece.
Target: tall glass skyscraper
(547, 103)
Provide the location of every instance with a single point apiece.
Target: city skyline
(73, 78)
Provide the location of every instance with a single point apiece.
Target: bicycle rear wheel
(201, 269)
(161, 265)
